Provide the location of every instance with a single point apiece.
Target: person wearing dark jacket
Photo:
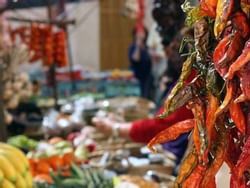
(140, 62)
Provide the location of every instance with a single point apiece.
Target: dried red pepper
(219, 52)
(237, 116)
(245, 6)
(200, 133)
(172, 132)
(244, 84)
(213, 104)
(240, 24)
(220, 128)
(195, 179)
(223, 11)
(186, 70)
(242, 165)
(218, 151)
(233, 49)
(208, 7)
(228, 98)
(243, 59)
(201, 38)
(186, 168)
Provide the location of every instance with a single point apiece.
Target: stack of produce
(218, 96)
(56, 155)
(17, 89)
(78, 178)
(14, 168)
(121, 74)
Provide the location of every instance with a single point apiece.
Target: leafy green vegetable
(84, 177)
(23, 142)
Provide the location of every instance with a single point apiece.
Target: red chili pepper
(228, 98)
(199, 134)
(196, 140)
(195, 179)
(243, 59)
(244, 84)
(245, 6)
(211, 183)
(237, 116)
(233, 49)
(235, 143)
(172, 132)
(189, 163)
(219, 52)
(223, 11)
(218, 151)
(243, 165)
(169, 104)
(208, 7)
(241, 24)
(213, 104)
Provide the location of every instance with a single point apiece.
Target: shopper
(144, 130)
(158, 58)
(140, 62)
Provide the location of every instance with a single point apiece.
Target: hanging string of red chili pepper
(219, 96)
(60, 46)
(44, 44)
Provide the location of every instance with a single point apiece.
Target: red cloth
(144, 130)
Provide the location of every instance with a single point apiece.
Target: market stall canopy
(15, 4)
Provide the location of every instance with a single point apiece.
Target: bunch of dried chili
(219, 96)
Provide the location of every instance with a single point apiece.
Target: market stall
(50, 130)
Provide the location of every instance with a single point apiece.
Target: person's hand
(106, 125)
(140, 38)
(103, 124)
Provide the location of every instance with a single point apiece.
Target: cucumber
(73, 182)
(77, 171)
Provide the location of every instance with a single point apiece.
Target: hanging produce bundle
(44, 44)
(47, 44)
(35, 41)
(218, 96)
(60, 45)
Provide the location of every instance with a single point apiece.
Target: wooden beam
(52, 22)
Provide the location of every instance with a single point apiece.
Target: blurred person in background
(158, 58)
(140, 62)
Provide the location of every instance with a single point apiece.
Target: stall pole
(3, 130)
(52, 69)
(61, 9)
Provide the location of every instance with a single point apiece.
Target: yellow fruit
(7, 169)
(20, 182)
(1, 177)
(19, 166)
(17, 153)
(28, 180)
(7, 184)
